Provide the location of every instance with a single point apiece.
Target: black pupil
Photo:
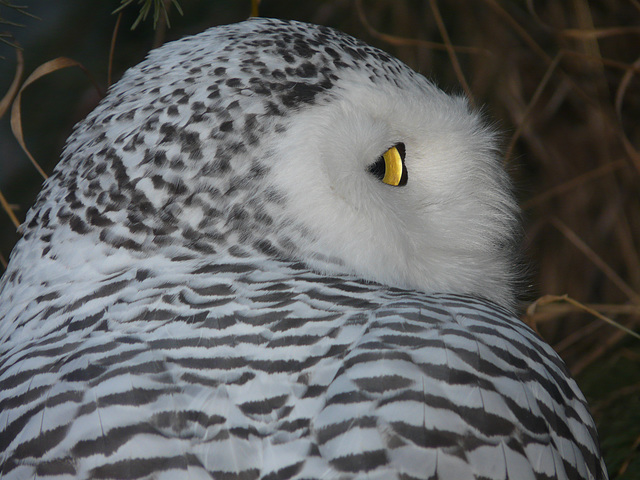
(378, 168)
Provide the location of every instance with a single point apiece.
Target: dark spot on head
(96, 218)
(169, 133)
(298, 93)
(78, 225)
(307, 70)
(302, 48)
(198, 106)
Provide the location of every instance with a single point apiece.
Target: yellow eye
(390, 167)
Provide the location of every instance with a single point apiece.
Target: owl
(276, 252)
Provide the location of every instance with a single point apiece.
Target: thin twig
(603, 346)
(531, 310)
(112, 48)
(595, 33)
(450, 50)
(522, 33)
(622, 89)
(15, 84)
(255, 8)
(574, 183)
(7, 208)
(411, 42)
(16, 112)
(554, 310)
(529, 108)
(615, 396)
(533, 45)
(595, 258)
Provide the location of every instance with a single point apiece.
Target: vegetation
(561, 79)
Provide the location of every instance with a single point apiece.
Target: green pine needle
(158, 6)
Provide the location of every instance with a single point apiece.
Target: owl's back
(283, 373)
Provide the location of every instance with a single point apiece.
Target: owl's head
(291, 140)
(400, 184)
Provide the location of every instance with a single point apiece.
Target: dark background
(557, 78)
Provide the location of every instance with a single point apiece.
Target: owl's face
(402, 186)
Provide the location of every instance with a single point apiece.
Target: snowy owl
(275, 252)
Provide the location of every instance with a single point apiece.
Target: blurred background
(560, 79)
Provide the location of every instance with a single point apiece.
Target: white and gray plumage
(216, 282)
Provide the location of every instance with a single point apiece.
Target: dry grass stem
(15, 84)
(522, 33)
(112, 49)
(598, 351)
(574, 183)
(16, 113)
(627, 461)
(620, 93)
(255, 8)
(629, 252)
(565, 298)
(534, 100)
(615, 396)
(450, 50)
(598, 33)
(412, 42)
(554, 312)
(9, 211)
(591, 255)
